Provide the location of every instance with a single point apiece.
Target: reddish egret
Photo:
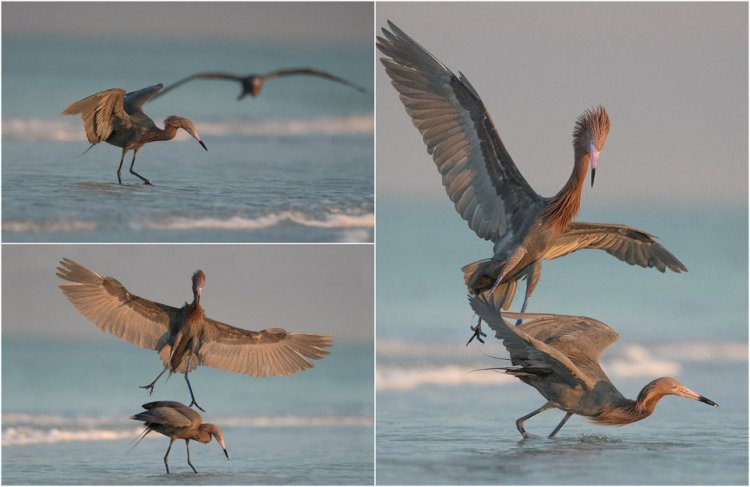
(487, 188)
(117, 118)
(252, 83)
(178, 422)
(185, 337)
(558, 356)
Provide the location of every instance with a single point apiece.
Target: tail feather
(141, 436)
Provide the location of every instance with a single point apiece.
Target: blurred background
(673, 78)
(294, 164)
(69, 388)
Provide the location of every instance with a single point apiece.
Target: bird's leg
(192, 397)
(150, 387)
(510, 263)
(119, 168)
(187, 446)
(478, 333)
(520, 421)
(533, 273)
(132, 171)
(565, 419)
(166, 463)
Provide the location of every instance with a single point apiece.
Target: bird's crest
(592, 124)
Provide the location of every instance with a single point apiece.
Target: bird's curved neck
(203, 435)
(157, 134)
(628, 411)
(563, 207)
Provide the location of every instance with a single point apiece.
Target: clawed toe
(196, 405)
(478, 334)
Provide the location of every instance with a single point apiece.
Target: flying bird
(252, 83)
(487, 188)
(558, 355)
(117, 117)
(185, 337)
(178, 422)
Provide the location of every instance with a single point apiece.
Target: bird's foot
(527, 436)
(150, 388)
(478, 334)
(193, 403)
(147, 183)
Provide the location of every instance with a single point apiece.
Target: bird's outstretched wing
(627, 244)
(478, 173)
(312, 72)
(98, 111)
(269, 352)
(201, 75)
(135, 99)
(112, 308)
(527, 352)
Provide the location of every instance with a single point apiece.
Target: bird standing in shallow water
(117, 118)
(178, 422)
(489, 191)
(558, 355)
(185, 337)
(252, 83)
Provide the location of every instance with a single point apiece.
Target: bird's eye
(674, 387)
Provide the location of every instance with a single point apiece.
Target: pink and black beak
(685, 392)
(223, 447)
(194, 134)
(593, 158)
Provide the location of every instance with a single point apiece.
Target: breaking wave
(407, 366)
(330, 220)
(71, 130)
(52, 226)
(31, 429)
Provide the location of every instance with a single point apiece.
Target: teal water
(295, 164)
(441, 421)
(66, 408)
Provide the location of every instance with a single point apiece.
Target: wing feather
(627, 244)
(527, 351)
(202, 75)
(113, 308)
(135, 100)
(312, 72)
(98, 112)
(460, 136)
(269, 352)
(165, 414)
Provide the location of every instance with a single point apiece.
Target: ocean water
(70, 425)
(440, 420)
(295, 164)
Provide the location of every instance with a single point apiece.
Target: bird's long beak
(593, 158)
(685, 392)
(194, 134)
(220, 441)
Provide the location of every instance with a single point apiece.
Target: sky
(333, 22)
(672, 76)
(326, 289)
